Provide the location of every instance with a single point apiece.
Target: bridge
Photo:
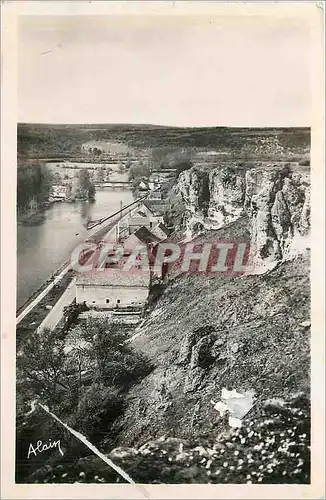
(113, 184)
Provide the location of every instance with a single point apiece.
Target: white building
(154, 209)
(144, 216)
(113, 288)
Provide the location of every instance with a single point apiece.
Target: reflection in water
(35, 220)
(44, 246)
(86, 209)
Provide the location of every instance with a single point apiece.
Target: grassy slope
(256, 342)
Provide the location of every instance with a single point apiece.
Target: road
(56, 313)
(38, 299)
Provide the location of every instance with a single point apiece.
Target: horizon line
(138, 124)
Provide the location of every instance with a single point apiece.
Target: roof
(138, 221)
(148, 206)
(114, 277)
(156, 206)
(145, 235)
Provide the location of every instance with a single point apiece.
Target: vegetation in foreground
(83, 377)
(271, 449)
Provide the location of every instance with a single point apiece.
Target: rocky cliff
(275, 197)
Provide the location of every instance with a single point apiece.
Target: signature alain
(40, 447)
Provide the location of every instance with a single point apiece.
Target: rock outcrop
(276, 198)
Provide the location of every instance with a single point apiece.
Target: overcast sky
(152, 70)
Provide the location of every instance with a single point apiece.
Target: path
(41, 295)
(56, 313)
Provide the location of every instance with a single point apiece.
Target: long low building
(113, 288)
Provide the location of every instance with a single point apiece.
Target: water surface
(42, 247)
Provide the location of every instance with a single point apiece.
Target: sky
(182, 72)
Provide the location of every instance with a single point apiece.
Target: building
(137, 221)
(144, 216)
(59, 192)
(155, 208)
(143, 186)
(129, 225)
(113, 288)
(155, 194)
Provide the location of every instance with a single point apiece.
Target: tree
(121, 168)
(34, 183)
(57, 178)
(41, 365)
(117, 363)
(183, 165)
(138, 172)
(85, 185)
(71, 313)
(91, 193)
(100, 174)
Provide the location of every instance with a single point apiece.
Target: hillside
(67, 139)
(208, 333)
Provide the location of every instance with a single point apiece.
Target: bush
(228, 175)
(98, 408)
(119, 365)
(71, 313)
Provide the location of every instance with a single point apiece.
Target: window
(107, 301)
(93, 301)
(118, 301)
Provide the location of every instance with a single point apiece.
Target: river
(43, 247)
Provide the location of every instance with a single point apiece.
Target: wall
(157, 231)
(96, 296)
(135, 223)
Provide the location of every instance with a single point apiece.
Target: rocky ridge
(275, 197)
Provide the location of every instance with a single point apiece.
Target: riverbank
(37, 216)
(34, 217)
(36, 316)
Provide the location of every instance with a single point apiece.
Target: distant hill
(49, 139)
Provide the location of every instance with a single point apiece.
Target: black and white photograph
(163, 249)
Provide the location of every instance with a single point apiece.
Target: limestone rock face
(212, 198)
(275, 197)
(277, 202)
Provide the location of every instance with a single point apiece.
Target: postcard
(162, 250)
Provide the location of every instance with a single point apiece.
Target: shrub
(71, 313)
(98, 408)
(228, 175)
